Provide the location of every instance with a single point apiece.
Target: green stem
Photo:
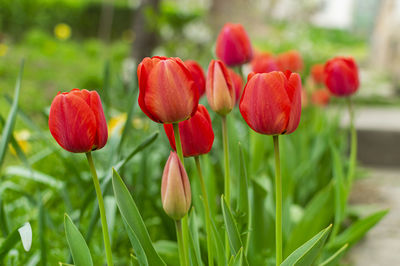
(206, 212)
(185, 225)
(227, 181)
(181, 245)
(240, 70)
(278, 195)
(106, 236)
(353, 148)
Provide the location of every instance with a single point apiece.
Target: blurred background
(97, 44)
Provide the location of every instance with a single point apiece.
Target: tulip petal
(293, 90)
(102, 130)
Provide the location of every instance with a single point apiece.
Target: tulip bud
(233, 45)
(320, 97)
(341, 76)
(197, 74)
(290, 60)
(264, 63)
(219, 88)
(237, 84)
(167, 92)
(77, 121)
(175, 188)
(317, 73)
(271, 102)
(196, 134)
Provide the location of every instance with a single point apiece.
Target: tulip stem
(353, 147)
(227, 181)
(206, 212)
(106, 236)
(185, 225)
(278, 199)
(181, 245)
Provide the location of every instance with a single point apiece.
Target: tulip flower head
(175, 188)
(264, 63)
(290, 60)
(317, 73)
(237, 84)
(341, 76)
(167, 92)
(198, 75)
(320, 97)
(220, 90)
(233, 45)
(271, 102)
(77, 121)
(196, 134)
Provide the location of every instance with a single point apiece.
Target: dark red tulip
(271, 102)
(263, 63)
(220, 90)
(237, 84)
(167, 92)
(290, 60)
(317, 73)
(233, 45)
(196, 134)
(198, 75)
(341, 76)
(320, 97)
(77, 121)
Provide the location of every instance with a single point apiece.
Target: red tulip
(237, 84)
(233, 45)
(271, 102)
(264, 63)
(290, 60)
(197, 74)
(196, 134)
(317, 73)
(321, 97)
(77, 121)
(167, 92)
(219, 88)
(341, 76)
(175, 188)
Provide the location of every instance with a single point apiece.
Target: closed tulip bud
(264, 63)
(237, 84)
(175, 188)
(196, 134)
(167, 92)
(220, 90)
(317, 73)
(341, 76)
(198, 75)
(290, 60)
(77, 121)
(271, 102)
(233, 45)
(320, 97)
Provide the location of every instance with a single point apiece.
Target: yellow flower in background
(22, 138)
(3, 49)
(62, 31)
(116, 124)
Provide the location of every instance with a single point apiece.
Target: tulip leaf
(9, 126)
(23, 233)
(308, 252)
(231, 227)
(238, 259)
(34, 176)
(194, 239)
(136, 228)
(168, 251)
(243, 200)
(219, 247)
(334, 259)
(79, 250)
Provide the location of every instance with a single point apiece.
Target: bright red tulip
(167, 92)
(271, 102)
(77, 121)
(175, 188)
(264, 63)
(220, 90)
(321, 97)
(196, 134)
(198, 75)
(290, 60)
(237, 84)
(233, 45)
(341, 76)
(317, 73)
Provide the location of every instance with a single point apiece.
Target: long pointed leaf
(334, 259)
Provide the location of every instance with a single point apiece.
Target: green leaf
(219, 247)
(357, 230)
(335, 258)
(134, 221)
(231, 227)
(79, 250)
(9, 126)
(307, 253)
(34, 176)
(42, 233)
(238, 259)
(195, 255)
(168, 251)
(243, 201)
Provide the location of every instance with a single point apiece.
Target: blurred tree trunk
(145, 28)
(106, 19)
